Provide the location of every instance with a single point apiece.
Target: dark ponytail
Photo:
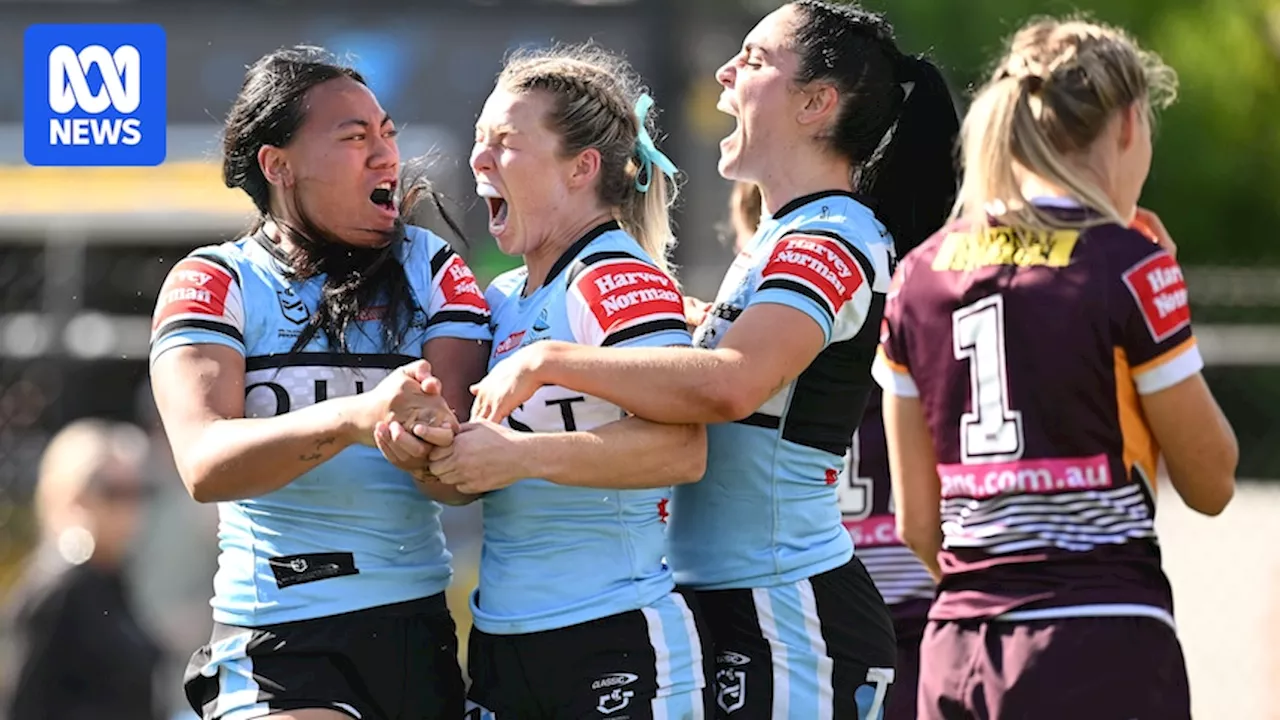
(915, 180)
(897, 123)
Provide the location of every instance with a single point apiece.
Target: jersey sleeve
(891, 369)
(1155, 323)
(201, 303)
(824, 276)
(455, 304)
(617, 299)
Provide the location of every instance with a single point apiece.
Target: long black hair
(268, 111)
(897, 122)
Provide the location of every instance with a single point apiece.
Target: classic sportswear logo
(94, 95)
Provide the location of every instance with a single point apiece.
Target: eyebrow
(500, 129)
(363, 123)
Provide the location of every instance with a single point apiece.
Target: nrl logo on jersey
(292, 307)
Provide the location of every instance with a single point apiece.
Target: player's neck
(1033, 187)
(277, 235)
(806, 174)
(541, 259)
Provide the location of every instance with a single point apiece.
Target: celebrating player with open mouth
(1037, 359)
(273, 360)
(576, 613)
(831, 118)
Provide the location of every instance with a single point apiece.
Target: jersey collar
(803, 200)
(577, 247)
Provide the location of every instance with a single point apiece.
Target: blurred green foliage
(1216, 176)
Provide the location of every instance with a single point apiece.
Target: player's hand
(1149, 224)
(695, 310)
(430, 486)
(509, 384)
(410, 395)
(407, 449)
(483, 457)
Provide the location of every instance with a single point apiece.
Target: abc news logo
(69, 89)
(94, 95)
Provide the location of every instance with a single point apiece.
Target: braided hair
(593, 96)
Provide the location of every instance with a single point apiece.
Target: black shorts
(1109, 668)
(384, 663)
(637, 665)
(819, 648)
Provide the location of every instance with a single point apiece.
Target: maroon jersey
(1029, 359)
(866, 505)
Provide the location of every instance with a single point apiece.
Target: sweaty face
(519, 170)
(344, 163)
(758, 93)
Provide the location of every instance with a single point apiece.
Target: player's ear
(586, 166)
(821, 102)
(275, 166)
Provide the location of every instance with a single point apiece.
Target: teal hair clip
(649, 153)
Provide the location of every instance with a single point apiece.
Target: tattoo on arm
(316, 454)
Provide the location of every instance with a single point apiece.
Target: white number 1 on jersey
(991, 431)
(856, 492)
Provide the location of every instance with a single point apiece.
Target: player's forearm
(665, 385)
(917, 490)
(627, 454)
(234, 459)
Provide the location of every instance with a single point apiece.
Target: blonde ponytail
(1050, 98)
(646, 216)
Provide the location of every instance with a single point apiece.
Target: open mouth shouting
(384, 196)
(497, 206)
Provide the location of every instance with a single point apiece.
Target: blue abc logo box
(94, 95)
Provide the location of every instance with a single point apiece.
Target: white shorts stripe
(237, 690)
(678, 659)
(661, 652)
(781, 672)
(825, 664)
(1097, 610)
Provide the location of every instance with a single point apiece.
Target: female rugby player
(1037, 360)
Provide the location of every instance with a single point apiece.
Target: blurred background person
(737, 229)
(744, 213)
(75, 647)
(174, 558)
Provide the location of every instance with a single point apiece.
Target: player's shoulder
(612, 261)
(1122, 246)
(611, 246)
(229, 263)
(421, 245)
(929, 249)
(838, 215)
(613, 271)
(504, 286)
(912, 272)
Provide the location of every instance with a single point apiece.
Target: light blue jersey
(556, 556)
(354, 532)
(766, 512)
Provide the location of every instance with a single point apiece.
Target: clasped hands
(415, 429)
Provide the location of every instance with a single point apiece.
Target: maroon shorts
(1121, 668)
(902, 693)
